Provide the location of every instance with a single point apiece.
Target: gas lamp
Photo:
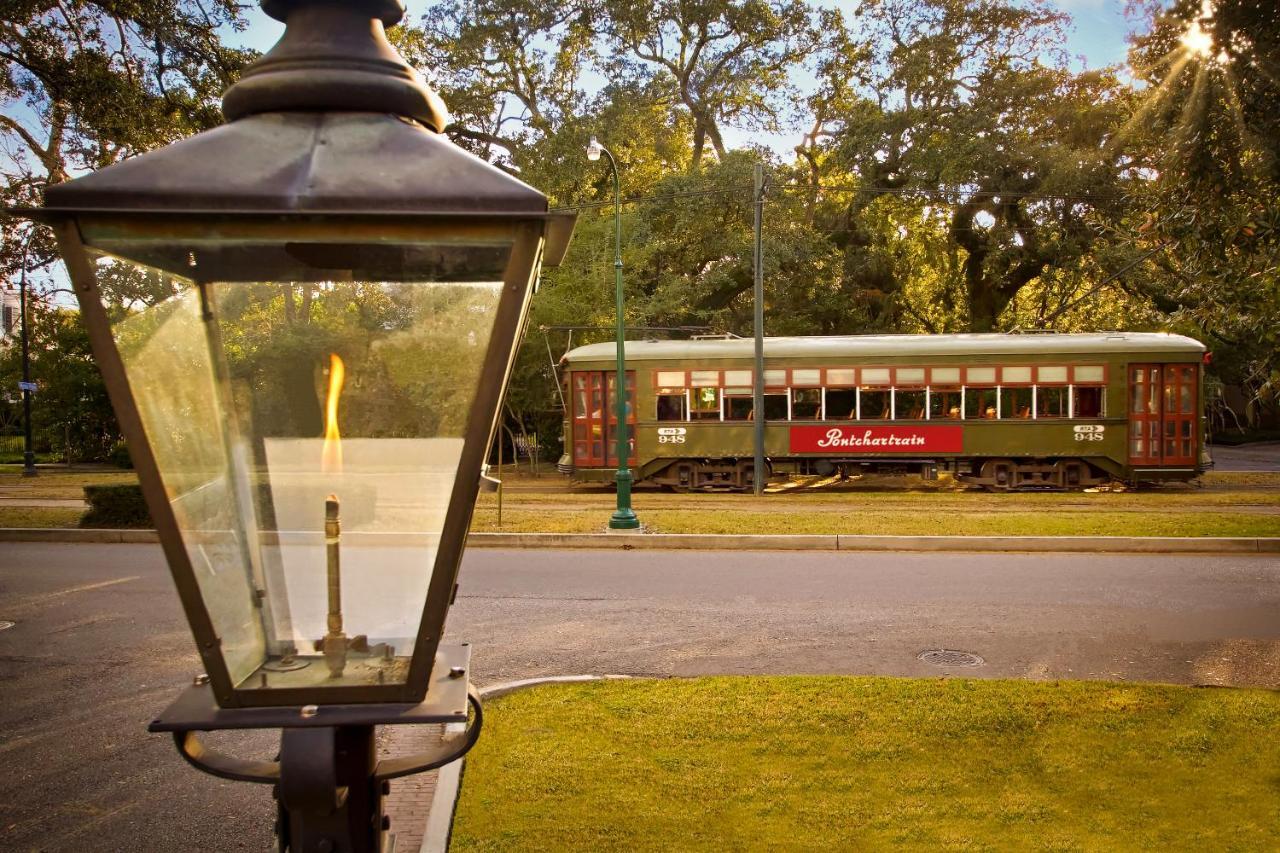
(310, 404)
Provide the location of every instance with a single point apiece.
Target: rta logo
(1090, 432)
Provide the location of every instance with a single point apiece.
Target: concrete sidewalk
(767, 542)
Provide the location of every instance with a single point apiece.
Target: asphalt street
(1260, 456)
(99, 646)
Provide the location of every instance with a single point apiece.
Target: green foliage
(1206, 221)
(724, 61)
(119, 456)
(87, 83)
(70, 413)
(970, 112)
(116, 506)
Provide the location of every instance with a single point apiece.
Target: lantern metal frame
(527, 237)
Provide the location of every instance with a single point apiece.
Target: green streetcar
(1018, 411)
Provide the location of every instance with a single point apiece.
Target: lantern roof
(330, 121)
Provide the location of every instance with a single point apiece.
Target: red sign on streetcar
(877, 439)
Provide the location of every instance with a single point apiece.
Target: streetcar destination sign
(877, 439)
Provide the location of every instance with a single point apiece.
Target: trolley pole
(758, 475)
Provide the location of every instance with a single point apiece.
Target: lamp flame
(331, 455)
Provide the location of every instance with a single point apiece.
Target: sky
(1097, 38)
(1098, 34)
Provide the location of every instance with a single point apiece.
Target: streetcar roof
(872, 346)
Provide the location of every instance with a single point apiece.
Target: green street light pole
(28, 457)
(623, 518)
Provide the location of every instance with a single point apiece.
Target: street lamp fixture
(623, 518)
(309, 412)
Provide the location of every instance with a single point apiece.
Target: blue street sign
(26, 386)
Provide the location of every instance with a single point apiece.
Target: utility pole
(757, 390)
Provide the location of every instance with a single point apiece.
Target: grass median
(1228, 505)
(804, 763)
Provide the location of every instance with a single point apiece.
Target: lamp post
(28, 453)
(309, 413)
(623, 518)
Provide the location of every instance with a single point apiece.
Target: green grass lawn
(30, 516)
(837, 763)
(67, 484)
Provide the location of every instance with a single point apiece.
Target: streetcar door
(594, 419)
(1180, 415)
(588, 418)
(1162, 414)
(611, 425)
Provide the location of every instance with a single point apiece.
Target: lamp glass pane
(270, 405)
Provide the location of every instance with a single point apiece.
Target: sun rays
(1184, 81)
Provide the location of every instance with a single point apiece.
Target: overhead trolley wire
(951, 194)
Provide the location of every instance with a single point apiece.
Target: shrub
(119, 455)
(115, 506)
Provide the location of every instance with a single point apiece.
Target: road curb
(767, 542)
(849, 542)
(77, 535)
(439, 829)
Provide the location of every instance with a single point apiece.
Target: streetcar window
(739, 408)
(875, 405)
(910, 376)
(944, 376)
(672, 378)
(980, 375)
(1089, 373)
(842, 404)
(875, 376)
(775, 407)
(670, 405)
(1054, 373)
(705, 404)
(1089, 402)
(806, 404)
(909, 406)
(842, 376)
(775, 379)
(807, 376)
(1015, 403)
(737, 377)
(1010, 375)
(944, 405)
(1051, 401)
(979, 403)
(704, 378)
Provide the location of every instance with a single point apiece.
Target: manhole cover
(5, 626)
(950, 657)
